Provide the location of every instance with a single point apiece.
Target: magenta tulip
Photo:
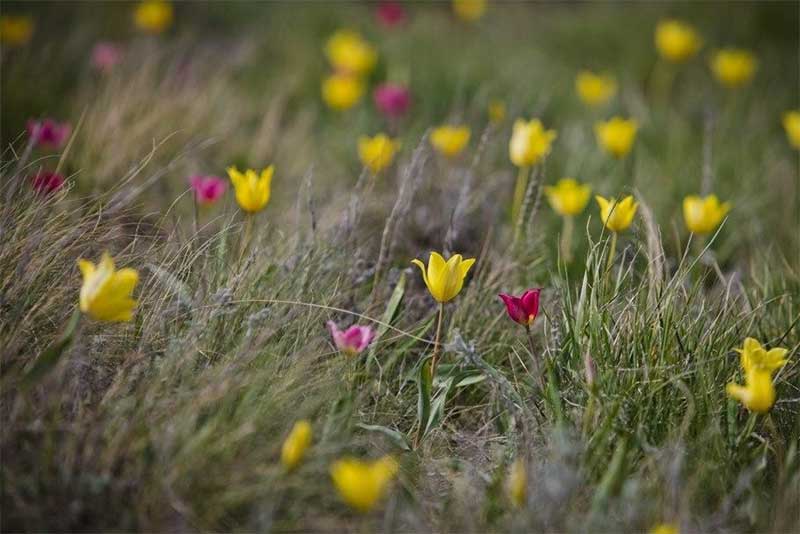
(207, 189)
(49, 132)
(392, 100)
(390, 14)
(105, 56)
(353, 340)
(46, 182)
(524, 309)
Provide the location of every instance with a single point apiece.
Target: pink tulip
(391, 99)
(522, 309)
(49, 132)
(390, 14)
(207, 189)
(46, 182)
(353, 340)
(105, 56)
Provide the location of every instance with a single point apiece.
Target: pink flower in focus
(353, 340)
(390, 14)
(391, 99)
(522, 309)
(207, 189)
(105, 56)
(49, 132)
(46, 182)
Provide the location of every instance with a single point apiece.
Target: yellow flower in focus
(518, 483)
(469, 10)
(703, 215)
(450, 140)
(616, 135)
(376, 153)
(444, 278)
(362, 484)
(733, 67)
(530, 142)
(755, 357)
(342, 91)
(595, 89)
(252, 191)
(758, 364)
(568, 197)
(497, 111)
(617, 215)
(349, 53)
(791, 123)
(153, 16)
(106, 292)
(665, 528)
(15, 30)
(677, 41)
(296, 444)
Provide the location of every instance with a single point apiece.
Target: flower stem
(537, 370)
(566, 238)
(248, 230)
(434, 358)
(612, 251)
(519, 193)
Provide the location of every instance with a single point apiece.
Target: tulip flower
(252, 190)
(296, 444)
(518, 483)
(677, 41)
(758, 364)
(497, 111)
(15, 30)
(733, 67)
(617, 216)
(791, 123)
(362, 484)
(616, 135)
(450, 140)
(444, 278)
(568, 197)
(703, 215)
(530, 142)
(595, 89)
(105, 56)
(524, 309)
(376, 153)
(352, 341)
(106, 292)
(207, 189)
(754, 357)
(46, 182)
(390, 14)
(342, 91)
(392, 100)
(49, 133)
(153, 16)
(349, 53)
(469, 10)
(665, 528)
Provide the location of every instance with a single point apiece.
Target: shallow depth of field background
(175, 421)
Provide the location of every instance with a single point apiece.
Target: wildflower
(616, 135)
(755, 357)
(153, 16)
(362, 484)
(733, 67)
(207, 189)
(497, 111)
(703, 215)
(296, 444)
(665, 528)
(349, 53)
(352, 341)
(444, 278)
(568, 197)
(105, 56)
(376, 153)
(106, 292)
(617, 215)
(252, 191)
(530, 142)
(518, 483)
(595, 89)
(392, 99)
(46, 182)
(524, 309)
(676, 41)
(450, 140)
(16, 30)
(342, 91)
(469, 10)
(390, 14)
(49, 133)
(758, 364)
(791, 123)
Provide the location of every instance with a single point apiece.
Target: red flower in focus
(390, 14)
(49, 132)
(391, 99)
(46, 182)
(207, 189)
(524, 309)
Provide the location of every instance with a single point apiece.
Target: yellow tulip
(469, 10)
(15, 30)
(362, 484)
(497, 111)
(153, 16)
(677, 41)
(758, 364)
(450, 140)
(342, 91)
(616, 135)
(733, 67)
(755, 357)
(617, 215)
(518, 483)
(106, 292)
(444, 278)
(349, 53)
(530, 142)
(791, 123)
(252, 191)
(568, 197)
(665, 528)
(296, 444)
(703, 215)
(376, 153)
(595, 89)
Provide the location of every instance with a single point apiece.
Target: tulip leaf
(424, 386)
(397, 438)
(52, 354)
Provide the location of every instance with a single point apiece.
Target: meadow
(315, 267)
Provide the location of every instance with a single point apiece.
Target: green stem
(248, 230)
(566, 238)
(519, 193)
(537, 369)
(612, 252)
(434, 358)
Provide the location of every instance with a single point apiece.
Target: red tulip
(391, 99)
(524, 309)
(105, 56)
(49, 132)
(46, 182)
(207, 189)
(390, 14)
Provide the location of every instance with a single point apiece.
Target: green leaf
(399, 439)
(424, 386)
(52, 354)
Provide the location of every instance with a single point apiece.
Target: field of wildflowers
(457, 266)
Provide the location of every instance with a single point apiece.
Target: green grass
(175, 421)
